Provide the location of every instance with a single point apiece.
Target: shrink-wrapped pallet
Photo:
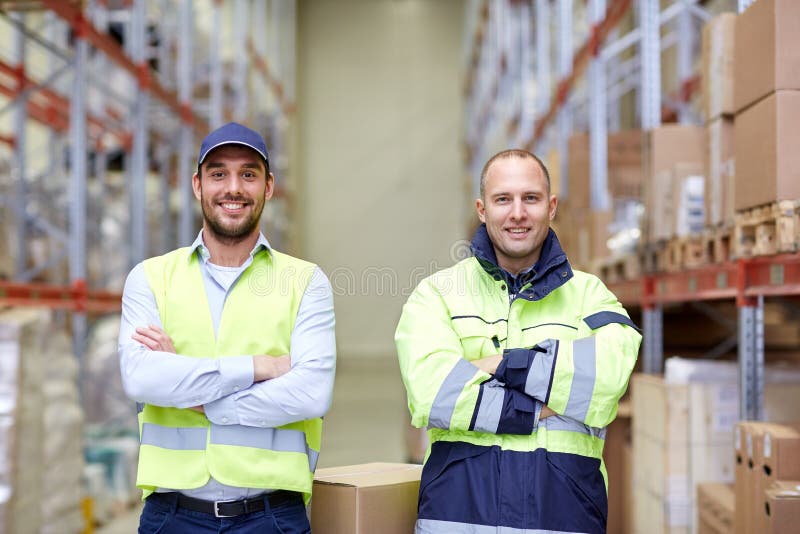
(62, 459)
(22, 332)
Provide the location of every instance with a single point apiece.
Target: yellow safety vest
(181, 448)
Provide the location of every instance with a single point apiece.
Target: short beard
(231, 236)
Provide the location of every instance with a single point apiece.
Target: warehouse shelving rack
(746, 281)
(544, 116)
(146, 100)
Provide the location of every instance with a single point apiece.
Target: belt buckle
(216, 509)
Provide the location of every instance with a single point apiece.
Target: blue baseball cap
(233, 134)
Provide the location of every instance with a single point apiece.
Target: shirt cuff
(222, 411)
(237, 375)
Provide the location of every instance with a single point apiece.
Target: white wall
(381, 193)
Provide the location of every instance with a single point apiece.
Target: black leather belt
(227, 508)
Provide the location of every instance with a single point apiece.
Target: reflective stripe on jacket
(181, 448)
(567, 344)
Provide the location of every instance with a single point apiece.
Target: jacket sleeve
(444, 389)
(584, 378)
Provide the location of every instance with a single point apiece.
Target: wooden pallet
(653, 257)
(686, 253)
(717, 242)
(770, 229)
(618, 269)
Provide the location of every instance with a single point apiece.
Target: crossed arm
(251, 390)
(265, 367)
(581, 379)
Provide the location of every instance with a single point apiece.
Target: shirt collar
(200, 246)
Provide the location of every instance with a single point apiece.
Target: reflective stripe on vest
(194, 438)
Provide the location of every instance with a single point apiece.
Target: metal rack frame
(141, 107)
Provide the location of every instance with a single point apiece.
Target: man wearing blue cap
(228, 348)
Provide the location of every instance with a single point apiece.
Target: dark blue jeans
(168, 518)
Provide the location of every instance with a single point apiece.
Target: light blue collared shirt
(224, 386)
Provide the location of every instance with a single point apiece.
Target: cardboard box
(718, 62)
(767, 57)
(625, 164)
(627, 489)
(767, 158)
(665, 148)
(783, 507)
(720, 172)
(747, 488)
(714, 508)
(617, 439)
(553, 163)
(366, 498)
(592, 236)
(681, 437)
(572, 228)
(776, 457)
(683, 432)
(685, 214)
(578, 179)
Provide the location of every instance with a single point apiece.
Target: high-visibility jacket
(181, 448)
(567, 343)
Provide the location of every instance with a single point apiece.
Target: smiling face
(232, 186)
(517, 208)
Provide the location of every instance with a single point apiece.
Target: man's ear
(196, 186)
(269, 190)
(481, 209)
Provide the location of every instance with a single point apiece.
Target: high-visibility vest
(181, 448)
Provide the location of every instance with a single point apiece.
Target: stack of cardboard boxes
(767, 471)
(718, 109)
(767, 102)
(589, 234)
(683, 439)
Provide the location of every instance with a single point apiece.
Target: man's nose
(517, 209)
(234, 184)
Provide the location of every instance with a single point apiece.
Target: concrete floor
(367, 423)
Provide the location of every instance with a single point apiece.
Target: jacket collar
(549, 273)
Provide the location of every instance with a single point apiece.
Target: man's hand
(267, 367)
(546, 412)
(488, 364)
(154, 338)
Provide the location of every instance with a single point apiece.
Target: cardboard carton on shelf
(779, 453)
(664, 149)
(714, 508)
(578, 171)
(782, 509)
(718, 62)
(776, 457)
(365, 498)
(685, 427)
(720, 172)
(767, 159)
(625, 164)
(766, 55)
